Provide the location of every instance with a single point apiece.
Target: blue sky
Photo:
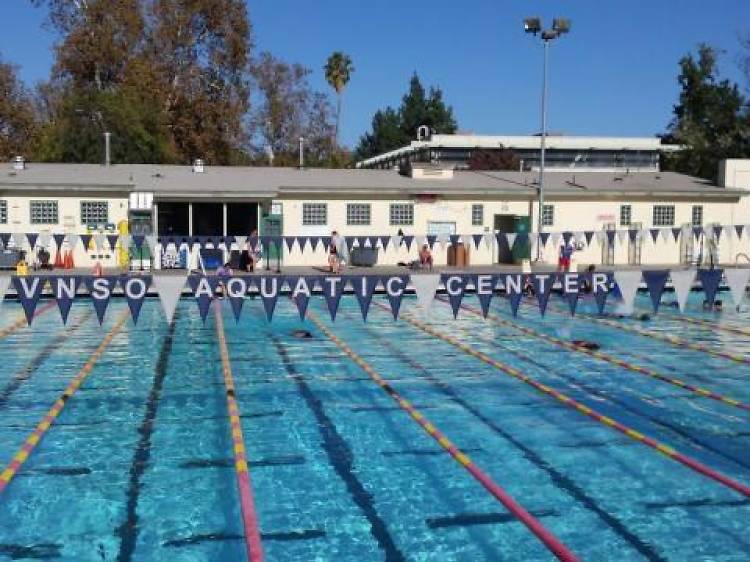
(615, 74)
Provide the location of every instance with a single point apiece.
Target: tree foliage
(392, 128)
(17, 117)
(710, 119)
(338, 72)
(494, 159)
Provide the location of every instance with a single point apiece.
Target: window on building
(402, 214)
(94, 213)
(43, 212)
(314, 214)
(477, 215)
(663, 215)
(697, 215)
(626, 215)
(3, 211)
(358, 213)
(548, 215)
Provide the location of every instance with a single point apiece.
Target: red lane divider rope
(542, 533)
(43, 427)
(590, 412)
(250, 524)
(645, 371)
(21, 322)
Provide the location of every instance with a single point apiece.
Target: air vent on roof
(418, 170)
(19, 163)
(198, 166)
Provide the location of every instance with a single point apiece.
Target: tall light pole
(560, 26)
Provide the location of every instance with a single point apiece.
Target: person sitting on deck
(334, 253)
(425, 257)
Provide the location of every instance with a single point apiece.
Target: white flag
(488, 240)
(511, 238)
(4, 283)
(628, 282)
(44, 239)
(151, 241)
(241, 242)
(169, 287)
(425, 285)
(665, 234)
(622, 236)
(72, 241)
(600, 236)
(18, 239)
(99, 241)
(737, 279)
(125, 240)
(682, 281)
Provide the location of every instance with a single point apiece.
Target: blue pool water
(139, 464)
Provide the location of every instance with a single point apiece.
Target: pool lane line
(127, 531)
(558, 478)
(22, 323)
(44, 425)
(645, 371)
(708, 324)
(250, 523)
(36, 362)
(553, 544)
(662, 448)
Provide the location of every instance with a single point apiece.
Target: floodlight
(532, 25)
(561, 25)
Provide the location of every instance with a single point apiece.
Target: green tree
(393, 129)
(18, 123)
(338, 69)
(494, 159)
(709, 118)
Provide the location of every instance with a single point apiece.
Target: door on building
(208, 219)
(635, 247)
(509, 224)
(273, 225)
(608, 248)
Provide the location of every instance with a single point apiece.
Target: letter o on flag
(129, 286)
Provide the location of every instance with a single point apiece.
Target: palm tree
(339, 70)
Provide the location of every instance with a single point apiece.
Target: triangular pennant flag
(622, 236)
(100, 289)
(514, 284)
(395, 286)
(31, 237)
(737, 279)
(333, 288)
(601, 291)
(655, 280)
(44, 239)
(654, 234)
(627, 283)
(664, 234)
(431, 239)
(64, 289)
(570, 289)
(542, 284)
(455, 287)
(99, 241)
(710, 279)
(29, 289)
(314, 242)
(611, 237)
(4, 284)
(502, 243)
(510, 238)
(112, 239)
(236, 290)
(18, 239)
(301, 290)
(5, 238)
(738, 228)
(477, 238)
(241, 242)
(487, 240)
(425, 286)
(138, 240)
(363, 287)
(384, 241)
(556, 237)
(135, 290)
(408, 240)
(588, 235)
(633, 235)
(566, 236)
(326, 241)
(600, 236)
(289, 241)
(125, 241)
(302, 242)
(697, 231)
(484, 286)
(270, 288)
(151, 242)
(169, 287)
(682, 282)
(717, 229)
(204, 290)
(676, 231)
(454, 239)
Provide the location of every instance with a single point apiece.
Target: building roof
(263, 182)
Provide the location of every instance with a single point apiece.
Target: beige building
(199, 201)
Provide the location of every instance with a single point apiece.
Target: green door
(272, 225)
(522, 251)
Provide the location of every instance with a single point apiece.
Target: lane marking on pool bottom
(43, 427)
(708, 324)
(662, 448)
(22, 322)
(552, 543)
(645, 371)
(247, 504)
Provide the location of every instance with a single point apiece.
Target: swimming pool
(139, 464)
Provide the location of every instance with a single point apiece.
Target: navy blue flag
(676, 233)
(710, 279)
(655, 281)
(455, 288)
(349, 241)
(100, 289)
(59, 239)
(314, 241)
(289, 240)
(697, 231)
(737, 227)
(64, 290)
(384, 241)
(135, 289)
(717, 232)
(431, 239)
(477, 240)
(408, 240)
(326, 241)
(333, 288)
(484, 285)
(654, 234)
(454, 238)
(32, 237)
(633, 234)
(363, 287)
(513, 283)
(373, 241)
(203, 289)
(270, 287)
(571, 287)
(502, 242)
(5, 238)
(567, 235)
(236, 290)
(361, 241)
(611, 237)
(86, 240)
(193, 241)
(601, 289)
(138, 240)
(589, 235)
(253, 242)
(302, 242)
(112, 239)
(542, 285)
(543, 237)
(395, 286)
(301, 290)
(29, 289)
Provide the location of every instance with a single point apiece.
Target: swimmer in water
(302, 334)
(584, 344)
